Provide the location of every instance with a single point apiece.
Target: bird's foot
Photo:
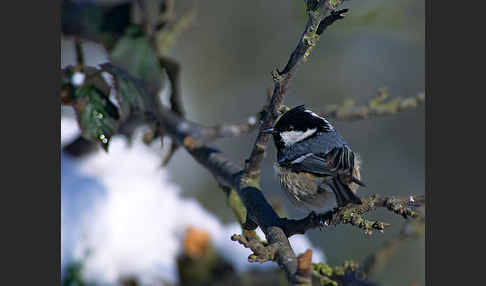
(325, 219)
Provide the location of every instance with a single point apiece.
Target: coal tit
(315, 165)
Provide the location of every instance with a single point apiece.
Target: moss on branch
(378, 105)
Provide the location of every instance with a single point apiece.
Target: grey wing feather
(316, 144)
(333, 165)
(313, 164)
(338, 160)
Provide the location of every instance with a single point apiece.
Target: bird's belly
(304, 190)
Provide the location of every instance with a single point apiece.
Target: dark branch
(335, 15)
(353, 214)
(232, 177)
(79, 52)
(228, 174)
(259, 211)
(316, 12)
(173, 71)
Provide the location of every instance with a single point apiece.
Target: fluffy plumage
(316, 166)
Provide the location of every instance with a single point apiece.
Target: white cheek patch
(292, 137)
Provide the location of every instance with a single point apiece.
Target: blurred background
(227, 53)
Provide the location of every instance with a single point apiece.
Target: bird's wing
(338, 160)
(337, 166)
(320, 144)
(312, 163)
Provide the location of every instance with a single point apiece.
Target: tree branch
(346, 275)
(376, 106)
(259, 212)
(307, 41)
(353, 214)
(228, 174)
(244, 181)
(172, 69)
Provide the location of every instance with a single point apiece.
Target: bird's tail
(357, 181)
(344, 195)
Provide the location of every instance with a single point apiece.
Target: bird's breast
(302, 188)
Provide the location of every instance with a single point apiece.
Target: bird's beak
(268, 131)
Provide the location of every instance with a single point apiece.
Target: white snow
(123, 215)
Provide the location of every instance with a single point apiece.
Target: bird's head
(296, 125)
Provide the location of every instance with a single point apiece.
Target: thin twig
(353, 214)
(378, 105)
(307, 41)
(173, 74)
(79, 53)
(231, 176)
(259, 212)
(347, 274)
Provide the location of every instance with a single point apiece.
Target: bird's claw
(322, 220)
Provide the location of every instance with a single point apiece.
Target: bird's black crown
(301, 119)
(298, 124)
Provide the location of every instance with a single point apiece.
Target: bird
(315, 165)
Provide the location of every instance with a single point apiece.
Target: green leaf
(134, 53)
(128, 96)
(97, 116)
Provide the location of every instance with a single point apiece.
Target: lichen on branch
(242, 184)
(380, 104)
(354, 214)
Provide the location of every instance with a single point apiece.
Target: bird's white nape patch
(292, 137)
(321, 118)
